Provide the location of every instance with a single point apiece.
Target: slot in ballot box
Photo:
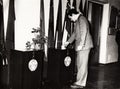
(61, 65)
(25, 69)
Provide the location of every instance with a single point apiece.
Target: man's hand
(66, 43)
(79, 48)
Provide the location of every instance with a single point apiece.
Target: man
(83, 44)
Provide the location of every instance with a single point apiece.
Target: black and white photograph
(59, 44)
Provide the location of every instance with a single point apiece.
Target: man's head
(73, 14)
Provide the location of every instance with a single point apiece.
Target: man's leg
(82, 67)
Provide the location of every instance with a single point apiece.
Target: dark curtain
(3, 52)
(10, 29)
(69, 25)
(85, 9)
(81, 6)
(51, 40)
(42, 23)
(1, 41)
(9, 44)
(59, 26)
(1, 30)
(2, 38)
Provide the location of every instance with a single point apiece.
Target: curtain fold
(10, 28)
(2, 38)
(59, 32)
(1, 28)
(51, 40)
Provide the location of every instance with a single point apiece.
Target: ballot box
(26, 68)
(61, 65)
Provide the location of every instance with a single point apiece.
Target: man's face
(73, 17)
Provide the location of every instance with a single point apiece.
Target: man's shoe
(75, 86)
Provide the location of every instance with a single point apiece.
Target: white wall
(108, 46)
(112, 49)
(27, 17)
(104, 33)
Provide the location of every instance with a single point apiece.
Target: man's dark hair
(72, 11)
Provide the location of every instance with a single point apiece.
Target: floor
(104, 77)
(99, 77)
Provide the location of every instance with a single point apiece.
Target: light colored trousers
(82, 57)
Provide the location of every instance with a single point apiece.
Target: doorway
(95, 11)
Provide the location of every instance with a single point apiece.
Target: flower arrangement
(39, 40)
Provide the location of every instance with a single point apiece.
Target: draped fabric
(42, 22)
(85, 8)
(10, 28)
(1, 2)
(42, 16)
(56, 41)
(59, 32)
(81, 6)
(3, 52)
(2, 39)
(9, 44)
(1, 25)
(68, 25)
(51, 40)
(75, 3)
(1, 35)
(1, 29)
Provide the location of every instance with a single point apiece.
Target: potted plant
(38, 41)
